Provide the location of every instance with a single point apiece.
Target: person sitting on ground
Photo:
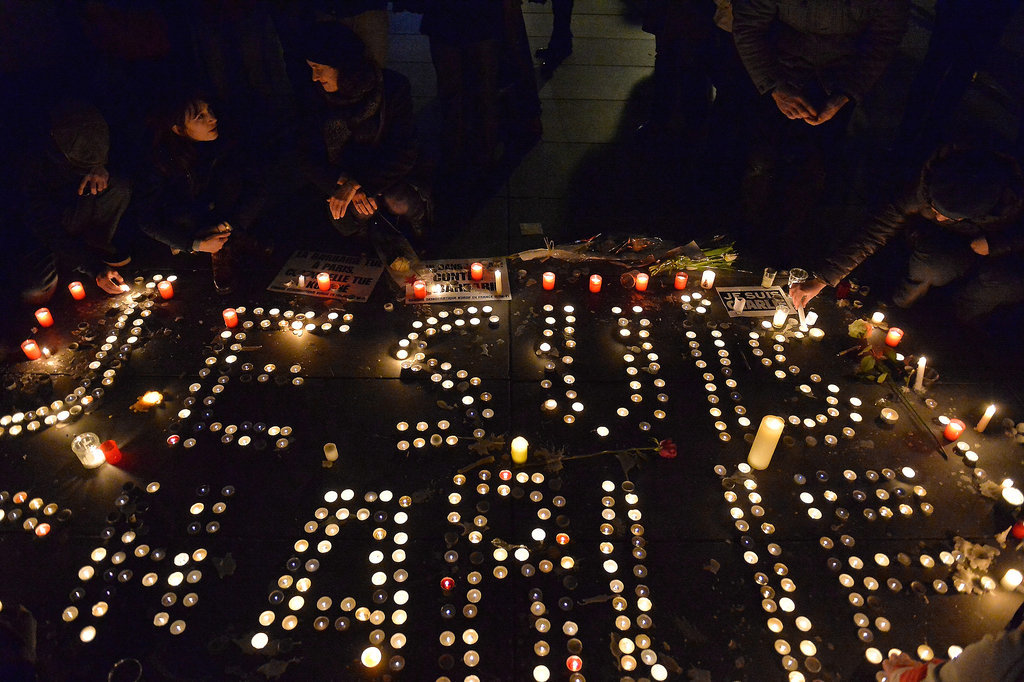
(72, 206)
(361, 149)
(964, 217)
(199, 189)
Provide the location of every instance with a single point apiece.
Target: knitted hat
(965, 184)
(334, 44)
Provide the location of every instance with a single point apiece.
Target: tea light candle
(44, 318)
(230, 317)
(767, 438)
(323, 281)
(681, 280)
(1013, 496)
(889, 415)
(922, 362)
(1012, 579)
(985, 418)
(595, 283)
(476, 271)
(641, 281)
(77, 290)
(893, 336)
(331, 452)
(816, 334)
(707, 279)
(165, 289)
(519, 449)
(810, 318)
(876, 318)
(547, 281)
(953, 429)
(31, 349)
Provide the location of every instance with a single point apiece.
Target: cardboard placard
(450, 281)
(352, 277)
(760, 301)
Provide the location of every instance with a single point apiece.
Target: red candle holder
(476, 271)
(447, 584)
(953, 429)
(547, 281)
(641, 281)
(44, 318)
(419, 289)
(77, 290)
(323, 280)
(110, 451)
(165, 289)
(574, 663)
(31, 349)
(681, 279)
(230, 317)
(893, 337)
(595, 283)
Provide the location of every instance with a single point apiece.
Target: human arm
(751, 28)
(874, 48)
(397, 152)
(803, 292)
(95, 181)
(110, 281)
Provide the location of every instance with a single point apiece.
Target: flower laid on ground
(878, 361)
(667, 449)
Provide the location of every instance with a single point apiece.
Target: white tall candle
(519, 449)
(985, 418)
(767, 438)
(499, 289)
(739, 304)
(919, 379)
(707, 279)
(803, 320)
(1012, 579)
(811, 318)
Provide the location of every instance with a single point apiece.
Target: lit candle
(810, 318)
(1013, 496)
(77, 291)
(323, 280)
(780, 317)
(816, 334)
(876, 318)
(889, 415)
(519, 448)
(31, 348)
(331, 452)
(922, 362)
(801, 319)
(985, 418)
(419, 289)
(641, 281)
(165, 289)
(44, 318)
(230, 317)
(892, 338)
(151, 398)
(110, 451)
(681, 279)
(767, 438)
(707, 280)
(499, 287)
(739, 304)
(953, 429)
(86, 447)
(476, 271)
(595, 283)
(1012, 579)
(548, 281)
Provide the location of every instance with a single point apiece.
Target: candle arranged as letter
(519, 449)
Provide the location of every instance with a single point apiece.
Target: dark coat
(183, 197)
(382, 150)
(843, 46)
(1001, 226)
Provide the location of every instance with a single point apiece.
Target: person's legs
(561, 31)
(96, 218)
(998, 282)
(483, 60)
(448, 67)
(938, 258)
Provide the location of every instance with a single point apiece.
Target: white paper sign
(450, 281)
(760, 301)
(352, 277)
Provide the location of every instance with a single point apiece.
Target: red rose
(668, 449)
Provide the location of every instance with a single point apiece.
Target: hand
(832, 107)
(792, 103)
(980, 246)
(342, 197)
(365, 205)
(95, 181)
(110, 281)
(803, 292)
(214, 242)
(897, 661)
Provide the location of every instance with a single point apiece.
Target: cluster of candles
(412, 353)
(555, 358)
(292, 598)
(106, 362)
(33, 514)
(640, 359)
(476, 274)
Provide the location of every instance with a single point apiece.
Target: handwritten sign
(450, 281)
(760, 301)
(352, 277)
